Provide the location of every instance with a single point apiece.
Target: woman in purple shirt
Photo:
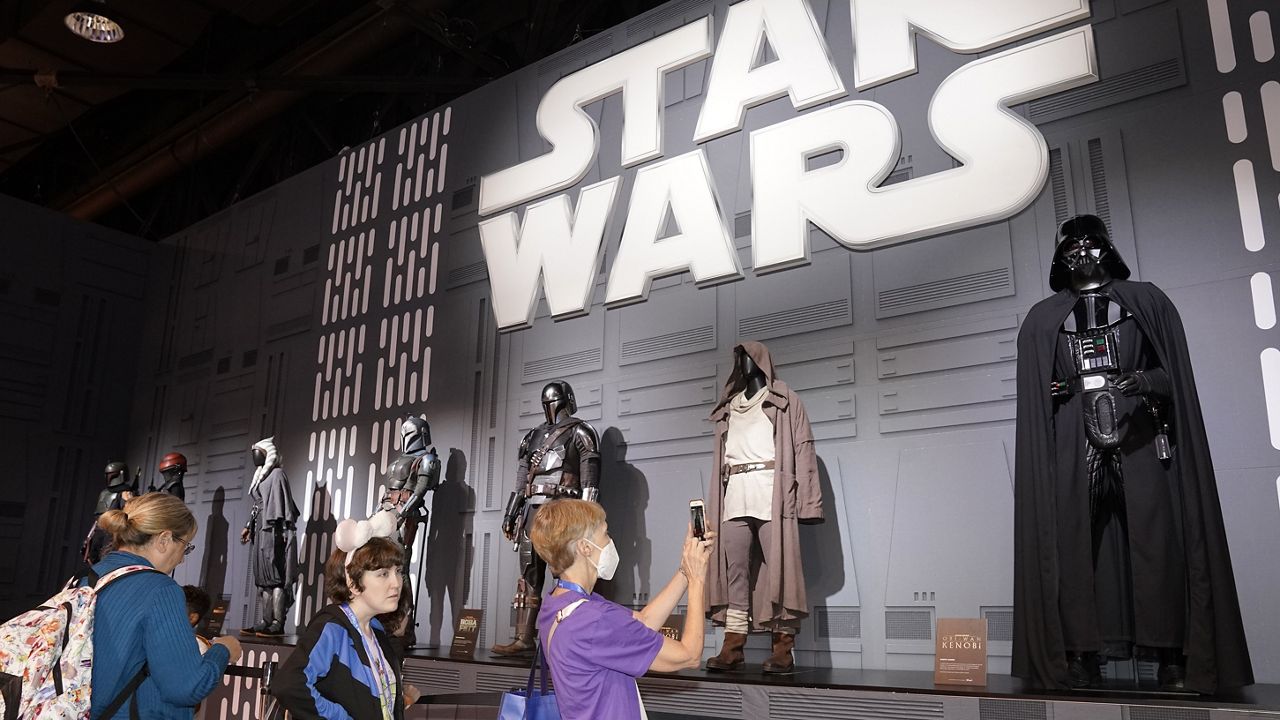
(597, 648)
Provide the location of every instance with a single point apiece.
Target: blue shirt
(143, 618)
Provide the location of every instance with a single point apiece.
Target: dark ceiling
(205, 102)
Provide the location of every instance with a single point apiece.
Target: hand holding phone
(698, 515)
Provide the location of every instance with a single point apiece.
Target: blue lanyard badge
(567, 585)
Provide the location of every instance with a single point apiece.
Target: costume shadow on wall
(317, 544)
(213, 570)
(625, 500)
(447, 569)
(823, 552)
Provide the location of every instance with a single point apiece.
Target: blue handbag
(527, 704)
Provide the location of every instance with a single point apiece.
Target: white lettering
(703, 245)
(573, 135)
(883, 30)
(554, 242)
(1005, 159)
(803, 69)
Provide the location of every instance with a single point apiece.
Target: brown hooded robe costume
(778, 597)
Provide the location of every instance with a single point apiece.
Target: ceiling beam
(435, 31)
(193, 82)
(342, 45)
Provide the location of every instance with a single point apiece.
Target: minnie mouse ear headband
(351, 535)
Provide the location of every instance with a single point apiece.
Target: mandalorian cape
(1047, 558)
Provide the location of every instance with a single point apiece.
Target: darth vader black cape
(1214, 641)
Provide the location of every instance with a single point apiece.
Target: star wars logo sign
(1003, 158)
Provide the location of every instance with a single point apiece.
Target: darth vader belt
(1087, 383)
(748, 467)
(550, 490)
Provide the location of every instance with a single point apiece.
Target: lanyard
(382, 674)
(567, 585)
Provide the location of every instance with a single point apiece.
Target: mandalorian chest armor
(560, 459)
(109, 499)
(409, 479)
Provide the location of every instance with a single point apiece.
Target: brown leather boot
(781, 660)
(731, 655)
(526, 629)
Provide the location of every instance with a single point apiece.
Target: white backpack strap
(110, 577)
(565, 612)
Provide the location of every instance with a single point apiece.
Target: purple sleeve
(624, 644)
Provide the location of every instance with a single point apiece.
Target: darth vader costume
(1119, 539)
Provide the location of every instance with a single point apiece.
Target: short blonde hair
(558, 525)
(145, 517)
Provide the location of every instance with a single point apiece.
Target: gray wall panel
(881, 332)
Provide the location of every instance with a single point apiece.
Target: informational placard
(673, 627)
(464, 636)
(217, 616)
(961, 657)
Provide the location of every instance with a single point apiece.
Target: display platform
(827, 693)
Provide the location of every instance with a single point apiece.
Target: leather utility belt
(551, 490)
(748, 467)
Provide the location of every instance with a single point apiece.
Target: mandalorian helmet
(1085, 257)
(557, 396)
(174, 463)
(117, 475)
(415, 436)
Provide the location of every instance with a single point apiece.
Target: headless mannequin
(754, 376)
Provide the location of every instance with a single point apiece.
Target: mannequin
(173, 468)
(119, 491)
(409, 478)
(272, 529)
(559, 458)
(1115, 496)
(768, 472)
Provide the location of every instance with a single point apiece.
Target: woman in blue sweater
(141, 619)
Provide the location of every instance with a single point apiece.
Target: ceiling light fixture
(89, 21)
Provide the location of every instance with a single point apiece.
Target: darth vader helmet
(1085, 257)
(557, 396)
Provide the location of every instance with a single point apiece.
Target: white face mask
(608, 562)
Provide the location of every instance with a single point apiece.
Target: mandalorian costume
(409, 478)
(559, 458)
(118, 491)
(1119, 541)
(173, 468)
(272, 530)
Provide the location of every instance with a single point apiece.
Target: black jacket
(329, 674)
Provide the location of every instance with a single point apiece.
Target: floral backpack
(46, 655)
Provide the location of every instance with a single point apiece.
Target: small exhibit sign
(961, 657)
(465, 635)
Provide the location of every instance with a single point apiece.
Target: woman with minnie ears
(346, 664)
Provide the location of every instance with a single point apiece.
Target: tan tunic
(749, 440)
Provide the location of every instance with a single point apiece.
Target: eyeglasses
(190, 547)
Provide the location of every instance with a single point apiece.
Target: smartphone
(698, 513)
